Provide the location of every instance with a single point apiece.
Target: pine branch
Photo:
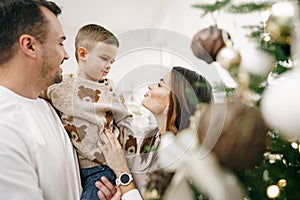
(248, 7)
(281, 51)
(209, 8)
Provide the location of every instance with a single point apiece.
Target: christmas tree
(269, 86)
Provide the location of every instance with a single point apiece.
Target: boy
(88, 105)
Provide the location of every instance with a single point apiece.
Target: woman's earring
(166, 111)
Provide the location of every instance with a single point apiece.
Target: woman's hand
(113, 153)
(107, 190)
(115, 159)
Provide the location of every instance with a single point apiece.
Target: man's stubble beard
(58, 78)
(46, 71)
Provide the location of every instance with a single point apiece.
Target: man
(37, 158)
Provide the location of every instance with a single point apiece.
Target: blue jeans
(88, 178)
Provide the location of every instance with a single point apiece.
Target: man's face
(53, 51)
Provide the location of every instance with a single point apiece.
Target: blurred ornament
(271, 161)
(152, 195)
(278, 156)
(266, 37)
(273, 79)
(157, 184)
(207, 175)
(294, 145)
(281, 183)
(295, 46)
(273, 191)
(272, 158)
(280, 21)
(284, 161)
(208, 42)
(226, 79)
(280, 105)
(266, 176)
(243, 92)
(228, 57)
(256, 61)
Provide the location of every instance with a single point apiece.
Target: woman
(171, 101)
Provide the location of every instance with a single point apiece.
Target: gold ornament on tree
(281, 183)
(228, 56)
(280, 21)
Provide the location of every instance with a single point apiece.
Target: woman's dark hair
(188, 89)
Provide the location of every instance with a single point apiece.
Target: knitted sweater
(86, 108)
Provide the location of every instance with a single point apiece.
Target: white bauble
(280, 105)
(170, 152)
(255, 61)
(228, 57)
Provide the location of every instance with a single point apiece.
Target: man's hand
(107, 190)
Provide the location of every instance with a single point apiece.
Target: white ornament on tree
(255, 60)
(280, 105)
(228, 57)
(206, 173)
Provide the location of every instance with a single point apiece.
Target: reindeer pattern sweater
(86, 108)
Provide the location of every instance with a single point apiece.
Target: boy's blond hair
(89, 35)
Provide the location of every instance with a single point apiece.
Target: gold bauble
(228, 57)
(279, 33)
(280, 21)
(281, 183)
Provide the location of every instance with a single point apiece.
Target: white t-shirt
(36, 155)
(132, 195)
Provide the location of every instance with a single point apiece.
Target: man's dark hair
(19, 17)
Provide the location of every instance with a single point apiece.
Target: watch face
(124, 178)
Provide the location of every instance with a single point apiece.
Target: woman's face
(158, 96)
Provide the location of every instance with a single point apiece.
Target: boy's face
(97, 62)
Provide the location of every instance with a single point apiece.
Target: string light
(294, 145)
(273, 191)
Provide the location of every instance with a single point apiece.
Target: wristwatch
(124, 179)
